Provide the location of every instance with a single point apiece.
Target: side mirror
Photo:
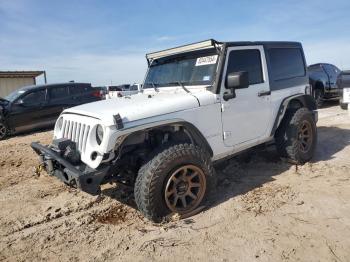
(237, 80)
(20, 102)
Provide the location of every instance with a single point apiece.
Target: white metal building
(12, 80)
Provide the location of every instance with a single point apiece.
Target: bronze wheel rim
(305, 136)
(185, 189)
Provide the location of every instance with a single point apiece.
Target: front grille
(76, 132)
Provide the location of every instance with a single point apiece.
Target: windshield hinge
(226, 135)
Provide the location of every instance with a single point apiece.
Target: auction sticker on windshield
(206, 60)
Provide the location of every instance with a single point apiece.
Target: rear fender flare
(294, 101)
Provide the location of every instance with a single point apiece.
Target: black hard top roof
(267, 44)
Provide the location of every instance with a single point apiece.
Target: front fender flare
(191, 128)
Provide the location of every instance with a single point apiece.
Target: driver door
(246, 117)
(27, 112)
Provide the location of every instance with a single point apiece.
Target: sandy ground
(264, 210)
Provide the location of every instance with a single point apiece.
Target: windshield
(115, 88)
(193, 69)
(14, 95)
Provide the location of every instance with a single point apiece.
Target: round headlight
(59, 123)
(99, 134)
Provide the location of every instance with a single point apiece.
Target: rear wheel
(296, 137)
(3, 130)
(176, 180)
(342, 105)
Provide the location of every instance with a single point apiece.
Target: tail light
(97, 94)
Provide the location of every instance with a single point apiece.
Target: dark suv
(38, 106)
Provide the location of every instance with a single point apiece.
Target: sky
(105, 42)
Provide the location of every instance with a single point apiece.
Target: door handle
(264, 93)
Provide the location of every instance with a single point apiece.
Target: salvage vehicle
(201, 103)
(323, 80)
(344, 89)
(123, 90)
(38, 106)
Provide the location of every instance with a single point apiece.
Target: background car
(323, 80)
(39, 106)
(343, 83)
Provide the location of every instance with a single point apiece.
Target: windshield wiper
(154, 86)
(183, 86)
(180, 84)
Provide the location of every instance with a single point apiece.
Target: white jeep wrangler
(201, 103)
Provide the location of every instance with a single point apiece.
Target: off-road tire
(342, 105)
(3, 130)
(153, 176)
(319, 97)
(288, 136)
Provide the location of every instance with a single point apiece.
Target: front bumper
(79, 176)
(331, 93)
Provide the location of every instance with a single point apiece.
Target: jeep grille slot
(77, 132)
(86, 132)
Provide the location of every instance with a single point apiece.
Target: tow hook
(39, 169)
(42, 164)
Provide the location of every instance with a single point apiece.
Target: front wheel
(296, 137)
(176, 180)
(319, 97)
(3, 130)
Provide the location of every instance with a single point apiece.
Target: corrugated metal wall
(7, 85)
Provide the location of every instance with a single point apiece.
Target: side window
(76, 90)
(331, 70)
(246, 60)
(316, 69)
(337, 70)
(58, 92)
(286, 63)
(114, 88)
(36, 97)
(327, 69)
(126, 88)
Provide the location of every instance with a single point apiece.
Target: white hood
(135, 107)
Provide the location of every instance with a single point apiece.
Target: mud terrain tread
(151, 177)
(7, 131)
(344, 106)
(286, 137)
